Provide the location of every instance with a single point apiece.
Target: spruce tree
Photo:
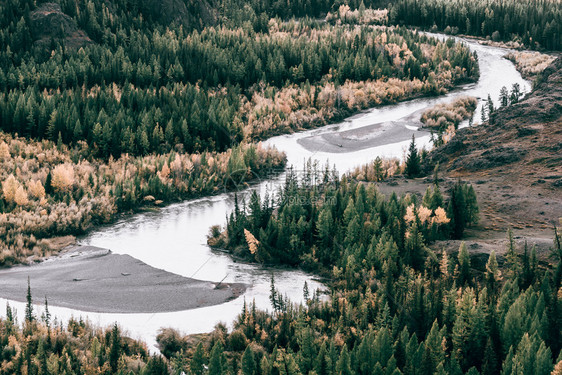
(217, 360)
(248, 365)
(413, 163)
(29, 316)
(504, 97)
(115, 349)
(492, 274)
(456, 211)
(197, 363)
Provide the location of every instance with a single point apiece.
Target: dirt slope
(515, 165)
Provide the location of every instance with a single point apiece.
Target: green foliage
(145, 87)
(462, 208)
(392, 308)
(413, 162)
(536, 23)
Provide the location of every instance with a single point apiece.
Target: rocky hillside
(514, 162)
(48, 23)
(524, 139)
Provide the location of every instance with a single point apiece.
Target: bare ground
(514, 163)
(93, 279)
(530, 211)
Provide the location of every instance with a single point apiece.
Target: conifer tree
(343, 366)
(492, 275)
(248, 365)
(413, 163)
(456, 211)
(115, 349)
(490, 105)
(504, 97)
(217, 365)
(197, 363)
(29, 316)
(464, 265)
(512, 258)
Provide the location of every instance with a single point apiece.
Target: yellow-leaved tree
(63, 178)
(9, 188)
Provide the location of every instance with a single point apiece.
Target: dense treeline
(254, 10)
(315, 225)
(43, 346)
(536, 23)
(395, 306)
(141, 88)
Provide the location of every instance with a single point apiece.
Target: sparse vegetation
(530, 63)
(442, 116)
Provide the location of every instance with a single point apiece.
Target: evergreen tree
(464, 265)
(504, 97)
(217, 365)
(115, 349)
(248, 362)
(456, 211)
(29, 316)
(413, 163)
(197, 363)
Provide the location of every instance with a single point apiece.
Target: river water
(174, 237)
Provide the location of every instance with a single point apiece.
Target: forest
(44, 345)
(396, 306)
(535, 24)
(120, 105)
(139, 89)
(320, 219)
(51, 190)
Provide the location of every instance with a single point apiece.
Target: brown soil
(514, 163)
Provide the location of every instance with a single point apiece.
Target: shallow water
(174, 237)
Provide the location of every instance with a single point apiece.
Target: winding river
(174, 238)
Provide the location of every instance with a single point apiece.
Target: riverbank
(90, 278)
(375, 135)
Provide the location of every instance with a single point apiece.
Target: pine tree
(273, 298)
(29, 316)
(197, 363)
(492, 275)
(343, 366)
(47, 315)
(42, 359)
(504, 97)
(512, 258)
(413, 163)
(490, 361)
(248, 365)
(115, 349)
(490, 105)
(217, 360)
(515, 93)
(456, 211)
